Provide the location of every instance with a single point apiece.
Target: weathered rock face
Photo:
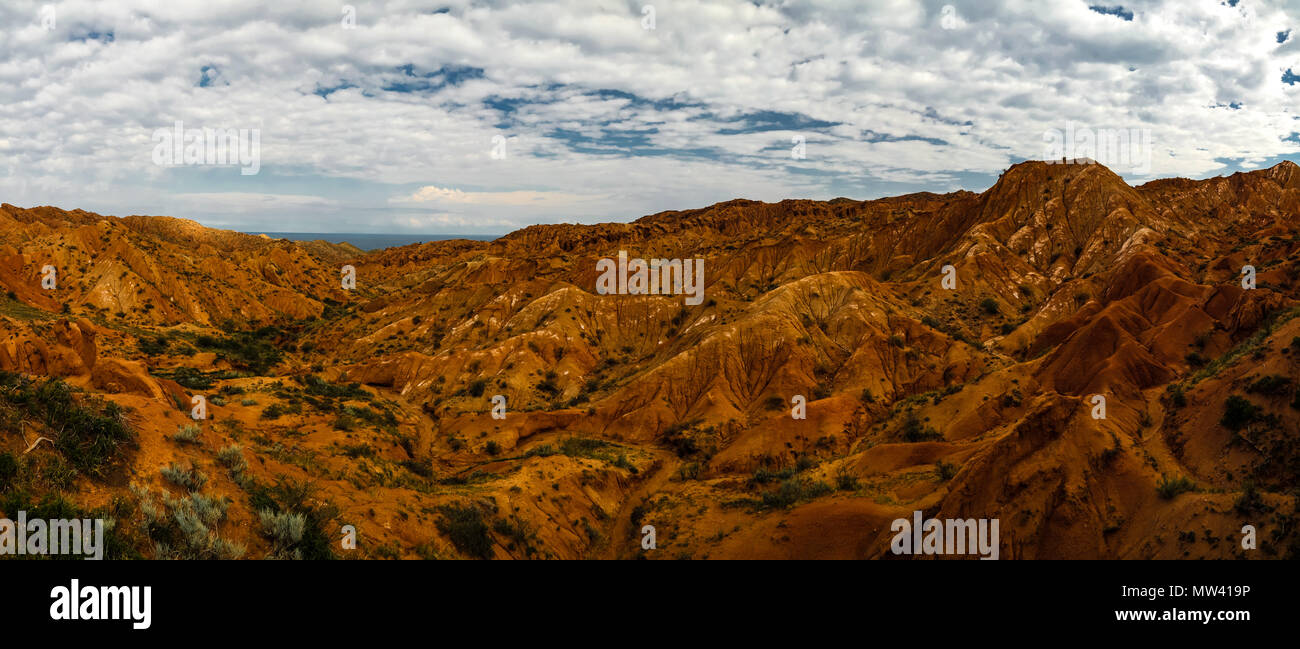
(847, 363)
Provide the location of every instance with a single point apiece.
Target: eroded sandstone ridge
(373, 408)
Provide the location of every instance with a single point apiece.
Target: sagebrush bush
(285, 529)
(232, 457)
(191, 478)
(187, 434)
(185, 528)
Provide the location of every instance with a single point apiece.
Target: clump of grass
(421, 469)
(945, 470)
(187, 434)
(465, 528)
(1272, 385)
(91, 433)
(597, 449)
(289, 496)
(1238, 412)
(845, 480)
(689, 471)
(1169, 487)
(191, 478)
(793, 491)
(186, 528)
(232, 457)
(916, 431)
(764, 475)
(1249, 500)
(8, 470)
(1177, 397)
(285, 529)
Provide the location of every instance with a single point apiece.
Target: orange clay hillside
(947, 353)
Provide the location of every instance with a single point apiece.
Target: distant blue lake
(368, 242)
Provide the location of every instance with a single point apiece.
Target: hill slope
(949, 349)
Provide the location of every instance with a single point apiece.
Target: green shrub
(989, 306)
(246, 350)
(188, 377)
(598, 449)
(689, 471)
(1177, 398)
(232, 458)
(915, 431)
(418, 468)
(1168, 487)
(465, 528)
(844, 478)
(1249, 499)
(1238, 412)
(945, 470)
(152, 345)
(8, 470)
(285, 529)
(91, 431)
(793, 491)
(1272, 385)
(291, 496)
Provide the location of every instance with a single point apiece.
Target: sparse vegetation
(1238, 412)
(1271, 385)
(187, 434)
(289, 496)
(945, 470)
(465, 528)
(232, 457)
(914, 430)
(88, 431)
(189, 478)
(1168, 488)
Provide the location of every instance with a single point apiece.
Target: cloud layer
(480, 117)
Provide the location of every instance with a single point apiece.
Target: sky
(408, 116)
